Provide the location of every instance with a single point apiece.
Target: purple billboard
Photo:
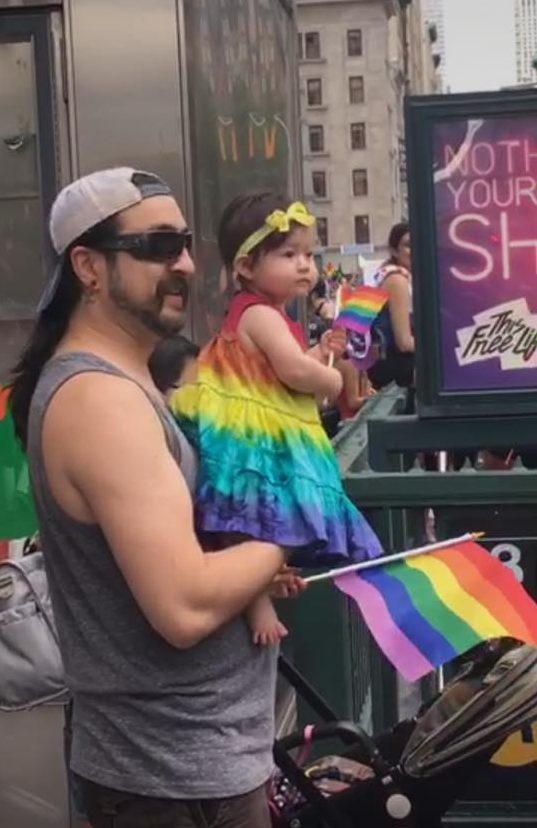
(485, 184)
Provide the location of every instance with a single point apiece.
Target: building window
(354, 43)
(300, 46)
(357, 136)
(359, 182)
(356, 90)
(312, 46)
(322, 231)
(314, 91)
(361, 229)
(318, 181)
(316, 135)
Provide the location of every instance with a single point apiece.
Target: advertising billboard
(473, 199)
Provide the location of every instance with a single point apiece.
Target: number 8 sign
(509, 555)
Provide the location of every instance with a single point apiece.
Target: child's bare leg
(264, 623)
(261, 616)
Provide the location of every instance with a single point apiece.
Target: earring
(91, 291)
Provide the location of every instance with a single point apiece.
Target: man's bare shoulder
(96, 391)
(97, 406)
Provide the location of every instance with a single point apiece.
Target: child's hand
(287, 583)
(333, 342)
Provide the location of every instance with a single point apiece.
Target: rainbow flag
(329, 270)
(17, 513)
(359, 307)
(424, 611)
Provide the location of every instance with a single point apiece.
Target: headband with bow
(279, 221)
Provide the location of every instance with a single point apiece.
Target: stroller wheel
(398, 806)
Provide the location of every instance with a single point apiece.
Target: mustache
(176, 285)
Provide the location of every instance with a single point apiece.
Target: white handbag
(31, 669)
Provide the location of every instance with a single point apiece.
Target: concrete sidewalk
(33, 792)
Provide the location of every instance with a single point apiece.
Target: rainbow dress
(266, 467)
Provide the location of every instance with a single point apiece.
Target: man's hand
(287, 583)
(333, 342)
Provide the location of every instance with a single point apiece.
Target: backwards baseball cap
(86, 202)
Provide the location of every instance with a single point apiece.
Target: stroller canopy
(476, 712)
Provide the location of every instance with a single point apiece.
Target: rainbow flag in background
(425, 610)
(329, 270)
(17, 513)
(359, 307)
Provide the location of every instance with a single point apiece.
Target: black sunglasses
(157, 246)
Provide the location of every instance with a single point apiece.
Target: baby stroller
(410, 776)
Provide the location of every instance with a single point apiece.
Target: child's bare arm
(264, 329)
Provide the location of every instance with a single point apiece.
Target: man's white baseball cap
(86, 202)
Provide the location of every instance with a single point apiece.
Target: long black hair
(397, 232)
(50, 327)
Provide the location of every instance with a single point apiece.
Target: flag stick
(337, 308)
(330, 363)
(399, 556)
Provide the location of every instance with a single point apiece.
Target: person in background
(350, 280)
(320, 311)
(503, 459)
(392, 331)
(173, 363)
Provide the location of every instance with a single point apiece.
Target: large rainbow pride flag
(424, 611)
(17, 513)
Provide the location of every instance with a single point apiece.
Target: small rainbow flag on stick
(17, 514)
(427, 606)
(356, 311)
(359, 307)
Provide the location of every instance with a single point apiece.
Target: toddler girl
(267, 469)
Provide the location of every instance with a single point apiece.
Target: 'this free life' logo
(507, 332)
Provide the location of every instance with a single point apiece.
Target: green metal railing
(378, 454)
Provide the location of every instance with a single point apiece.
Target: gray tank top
(148, 718)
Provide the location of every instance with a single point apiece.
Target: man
(173, 706)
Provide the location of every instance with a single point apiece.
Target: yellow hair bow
(279, 221)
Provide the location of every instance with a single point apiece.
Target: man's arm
(117, 458)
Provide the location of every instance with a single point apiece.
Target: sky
(480, 50)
